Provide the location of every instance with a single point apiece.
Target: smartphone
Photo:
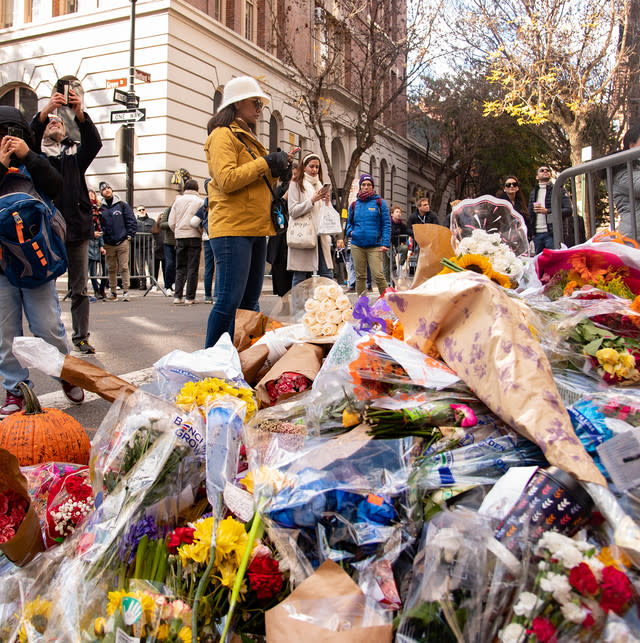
(327, 187)
(15, 131)
(295, 150)
(62, 86)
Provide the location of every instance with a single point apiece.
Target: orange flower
(635, 305)
(590, 266)
(570, 287)
(398, 331)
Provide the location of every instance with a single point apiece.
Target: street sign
(116, 82)
(129, 115)
(142, 76)
(124, 98)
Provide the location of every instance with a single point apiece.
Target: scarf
(362, 195)
(50, 147)
(312, 184)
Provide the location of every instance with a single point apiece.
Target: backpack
(32, 233)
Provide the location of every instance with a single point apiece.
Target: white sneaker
(125, 295)
(154, 289)
(178, 300)
(190, 302)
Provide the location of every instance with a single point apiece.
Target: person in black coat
(40, 304)
(72, 159)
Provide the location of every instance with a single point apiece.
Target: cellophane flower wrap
(484, 336)
(327, 311)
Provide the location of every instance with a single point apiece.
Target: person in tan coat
(239, 202)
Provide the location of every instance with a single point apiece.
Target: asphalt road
(129, 337)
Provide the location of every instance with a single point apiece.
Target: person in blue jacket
(369, 227)
(119, 226)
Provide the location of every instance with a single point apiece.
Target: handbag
(329, 220)
(279, 212)
(301, 233)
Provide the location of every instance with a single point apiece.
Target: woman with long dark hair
(306, 195)
(239, 202)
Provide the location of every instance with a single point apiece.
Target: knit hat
(365, 177)
(103, 185)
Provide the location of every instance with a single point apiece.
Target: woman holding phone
(307, 194)
(239, 202)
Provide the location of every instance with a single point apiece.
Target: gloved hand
(277, 162)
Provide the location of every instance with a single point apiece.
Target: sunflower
(501, 280)
(36, 613)
(476, 263)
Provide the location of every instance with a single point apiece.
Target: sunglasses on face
(54, 119)
(258, 104)
(513, 184)
(544, 169)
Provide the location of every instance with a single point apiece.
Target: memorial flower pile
(13, 508)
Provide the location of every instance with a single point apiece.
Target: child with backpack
(31, 254)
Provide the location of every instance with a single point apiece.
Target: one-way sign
(125, 98)
(129, 115)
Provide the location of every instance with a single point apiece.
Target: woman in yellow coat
(239, 202)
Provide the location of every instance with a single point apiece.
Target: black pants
(187, 264)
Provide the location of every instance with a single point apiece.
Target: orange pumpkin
(37, 435)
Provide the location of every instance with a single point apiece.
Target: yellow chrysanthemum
(146, 602)
(476, 263)
(36, 613)
(614, 556)
(198, 550)
(231, 540)
(202, 392)
(162, 632)
(185, 634)
(227, 573)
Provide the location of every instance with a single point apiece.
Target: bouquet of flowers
(327, 311)
(204, 392)
(13, 509)
(569, 592)
(486, 254)
(70, 501)
(287, 384)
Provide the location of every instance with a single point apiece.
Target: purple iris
(129, 544)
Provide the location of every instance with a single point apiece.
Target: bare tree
(555, 61)
(353, 72)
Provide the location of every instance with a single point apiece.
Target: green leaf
(593, 347)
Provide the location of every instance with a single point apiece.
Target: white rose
(342, 302)
(329, 330)
(327, 304)
(311, 305)
(347, 315)
(513, 633)
(316, 330)
(573, 612)
(321, 292)
(334, 317)
(321, 316)
(308, 319)
(527, 604)
(334, 291)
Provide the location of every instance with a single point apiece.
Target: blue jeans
(240, 263)
(300, 275)
(41, 307)
(209, 269)
(543, 240)
(169, 265)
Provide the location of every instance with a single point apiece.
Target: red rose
(616, 590)
(265, 577)
(179, 536)
(543, 629)
(583, 580)
(6, 534)
(588, 622)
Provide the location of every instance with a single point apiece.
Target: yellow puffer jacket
(239, 199)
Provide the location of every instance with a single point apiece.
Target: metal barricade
(591, 171)
(142, 259)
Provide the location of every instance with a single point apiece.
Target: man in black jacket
(72, 159)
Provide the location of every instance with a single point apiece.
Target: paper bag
(327, 595)
(483, 335)
(249, 326)
(305, 359)
(435, 244)
(28, 539)
(92, 377)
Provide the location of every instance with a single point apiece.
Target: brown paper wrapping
(305, 359)
(249, 326)
(483, 335)
(28, 539)
(435, 244)
(95, 379)
(252, 360)
(330, 588)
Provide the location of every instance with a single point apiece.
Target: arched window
(393, 181)
(382, 190)
(22, 98)
(273, 133)
(373, 168)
